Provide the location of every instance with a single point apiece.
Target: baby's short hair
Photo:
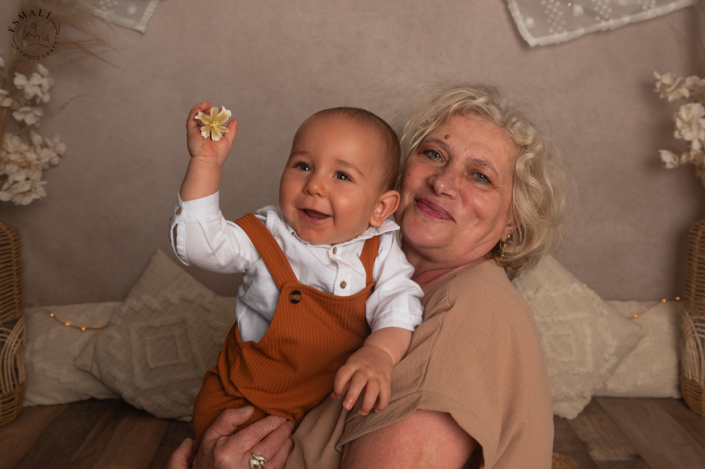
(392, 155)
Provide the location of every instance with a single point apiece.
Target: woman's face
(456, 193)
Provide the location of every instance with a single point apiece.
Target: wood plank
(605, 441)
(176, 432)
(18, 437)
(124, 437)
(692, 422)
(566, 441)
(62, 438)
(660, 440)
(640, 464)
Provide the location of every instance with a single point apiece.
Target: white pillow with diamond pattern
(162, 340)
(583, 339)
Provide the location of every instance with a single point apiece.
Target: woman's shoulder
(479, 292)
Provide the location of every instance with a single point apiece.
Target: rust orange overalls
(292, 368)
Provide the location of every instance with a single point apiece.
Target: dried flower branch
(689, 120)
(25, 87)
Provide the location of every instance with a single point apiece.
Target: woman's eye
(434, 155)
(302, 166)
(479, 177)
(342, 176)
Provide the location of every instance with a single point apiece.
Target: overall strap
(368, 256)
(268, 248)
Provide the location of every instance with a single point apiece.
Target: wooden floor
(610, 434)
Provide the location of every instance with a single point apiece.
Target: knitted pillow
(161, 341)
(51, 349)
(583, 339)
(651, 369)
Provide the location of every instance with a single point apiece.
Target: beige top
(476, 356)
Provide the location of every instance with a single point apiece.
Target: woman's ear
(509, 229)
(386, 205)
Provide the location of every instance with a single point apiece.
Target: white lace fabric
(131, 14)
(544, 22)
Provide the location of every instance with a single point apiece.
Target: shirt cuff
(197, 209)
(396, 320)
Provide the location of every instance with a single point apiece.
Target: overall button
(343, 284)
(178, 211)
(295, 296)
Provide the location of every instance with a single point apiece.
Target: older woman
(482, 196)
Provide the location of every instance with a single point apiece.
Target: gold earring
(502, 245)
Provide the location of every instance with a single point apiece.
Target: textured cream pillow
(51, 349)
(162, 340)
(583, 339)
(651, 369)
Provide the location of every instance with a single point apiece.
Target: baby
(321, 271)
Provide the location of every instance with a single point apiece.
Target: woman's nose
(445, 182)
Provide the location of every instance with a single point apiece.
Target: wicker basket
(12, 325)
(561, 461)
(692, 376)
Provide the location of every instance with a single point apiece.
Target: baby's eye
(432, 154)
(302, 166)
(342, 176)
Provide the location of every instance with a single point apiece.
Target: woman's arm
(423, 439)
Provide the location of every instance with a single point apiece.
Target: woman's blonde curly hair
(540, 200)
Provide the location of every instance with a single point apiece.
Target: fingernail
(291, 425)
(247, 408)
(185, 442)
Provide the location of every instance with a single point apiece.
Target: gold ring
(257, 462)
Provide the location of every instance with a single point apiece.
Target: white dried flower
(669, 159)
(690, 124)
(28, 114)
(670, 86)
(35, 138)
(213, 127)
(5, 100)
(56, 144)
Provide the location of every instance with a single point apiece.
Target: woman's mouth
(312, 215)
(432, 210)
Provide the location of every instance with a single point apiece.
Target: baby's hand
(205, 148)
(371, 368)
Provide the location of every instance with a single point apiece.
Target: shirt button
(335, 250)
(343, 284)
(178, 211)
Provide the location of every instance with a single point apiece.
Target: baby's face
(332, 181)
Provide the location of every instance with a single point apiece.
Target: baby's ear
(386, 205)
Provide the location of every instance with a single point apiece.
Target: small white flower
(670, 86)
(28, 114)
(5, 100)
(669, 159)
(690, 124)
(56, 144)
(213, 127)
(35, 138)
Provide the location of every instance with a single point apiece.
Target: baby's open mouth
(314, 214)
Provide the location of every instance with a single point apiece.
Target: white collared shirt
(205, 239)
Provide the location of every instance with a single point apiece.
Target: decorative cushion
(161, 341)
(583, 339)
(51, 349)
(651, 369)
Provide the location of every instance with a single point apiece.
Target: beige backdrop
(274, 62)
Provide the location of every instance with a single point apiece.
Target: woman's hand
(206, 149)
(224, 447)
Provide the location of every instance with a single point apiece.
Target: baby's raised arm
(207, 156)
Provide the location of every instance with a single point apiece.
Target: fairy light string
(68, 323)
(656, 303)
